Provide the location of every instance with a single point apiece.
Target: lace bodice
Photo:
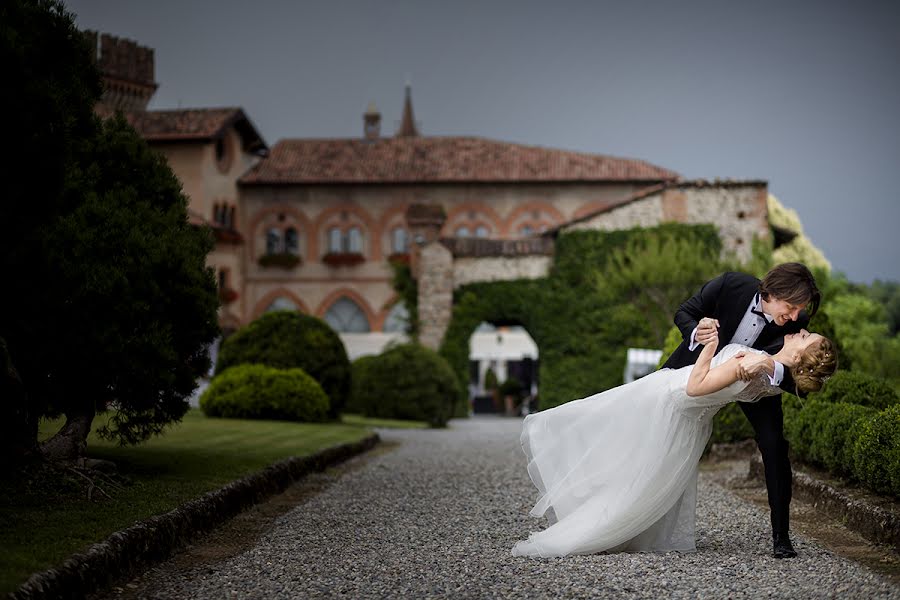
(745, 391)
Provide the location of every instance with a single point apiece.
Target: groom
(758, 314)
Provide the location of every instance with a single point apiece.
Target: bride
(617, 471)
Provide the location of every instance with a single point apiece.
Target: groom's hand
(752, 365)
(707, 330)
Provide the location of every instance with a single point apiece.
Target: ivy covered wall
(582, 330)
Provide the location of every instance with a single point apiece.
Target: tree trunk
(18, 424)
(70, 442)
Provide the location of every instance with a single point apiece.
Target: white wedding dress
(617, 471)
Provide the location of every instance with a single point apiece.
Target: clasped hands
(749, 365)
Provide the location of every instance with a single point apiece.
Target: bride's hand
(707, 328)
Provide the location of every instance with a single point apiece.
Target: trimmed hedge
(876, 451)
(360, 376)
(286, 339)
(582, 333)
(823, 433)
(261, 392)
(858, 388)
(407, 382)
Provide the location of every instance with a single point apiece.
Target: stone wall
(737, 209)
(435, 293)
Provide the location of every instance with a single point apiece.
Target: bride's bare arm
(704, 380)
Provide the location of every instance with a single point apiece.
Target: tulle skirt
(617, 471)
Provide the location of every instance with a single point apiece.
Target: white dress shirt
(747, 332)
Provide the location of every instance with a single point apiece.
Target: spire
(408, 123)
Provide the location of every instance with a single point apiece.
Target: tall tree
(109, 303)
(50, 85)
(655, 272)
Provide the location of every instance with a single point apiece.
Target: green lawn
(44, 522)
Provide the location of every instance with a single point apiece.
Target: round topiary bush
(287, 339)
(261, 392)
(408, 382)
(857, 388)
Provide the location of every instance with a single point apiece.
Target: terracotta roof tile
(438, 159)
(194, 124)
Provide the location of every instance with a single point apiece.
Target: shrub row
(852, 440)
(261, 392)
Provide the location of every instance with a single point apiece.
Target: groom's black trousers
(768, 422)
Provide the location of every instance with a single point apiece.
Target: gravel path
(437, 516)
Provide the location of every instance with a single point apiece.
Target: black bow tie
(759, 313)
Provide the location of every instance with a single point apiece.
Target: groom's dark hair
(791, 282)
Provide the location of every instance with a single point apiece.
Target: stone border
(872, 522)
(153, 540)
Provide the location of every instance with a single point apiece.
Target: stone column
(435, 293)
(431, 264)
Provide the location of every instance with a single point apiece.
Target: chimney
(372, 123)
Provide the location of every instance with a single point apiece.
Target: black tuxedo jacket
(726, 298)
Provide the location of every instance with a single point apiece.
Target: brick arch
(374, 231)
(494, 219)
(540, 206)
(263, 303)
(385, 309)
(353, 295)
(302, 220)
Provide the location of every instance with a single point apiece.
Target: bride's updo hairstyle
(817, 363)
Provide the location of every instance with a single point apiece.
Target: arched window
(525, 231)
(282, 303)
(481, 231)
(273, 241)
(354, 240)
(462, 232)
(291, 241)
(345, 316)
(334, 240)
(397, 319)
(231, 217)
(399, 241)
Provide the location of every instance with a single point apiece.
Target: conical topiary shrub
(286, 340)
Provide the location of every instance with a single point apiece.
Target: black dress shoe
(783, 548)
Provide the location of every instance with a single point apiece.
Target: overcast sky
(805, 95)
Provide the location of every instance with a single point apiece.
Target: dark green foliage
(16, 437)
(821, 324)
(511, 387)
(261, 392)
(359, 376)
(51, 86)
(858, 388)
(876, 451)
(287, 339)
(582, 331)
(673, 340)
(408, 382)
(823, 433)
(731, 425)
(408, 290)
